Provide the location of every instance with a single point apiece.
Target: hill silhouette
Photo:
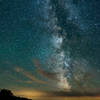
(8, 95)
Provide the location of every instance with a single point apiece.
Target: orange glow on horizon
(29, 93)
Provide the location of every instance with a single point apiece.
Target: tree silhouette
(5, 92)
(8, 95)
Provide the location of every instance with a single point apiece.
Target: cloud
(49, 75)
(35, 79)
(27, 81)
(29, 75)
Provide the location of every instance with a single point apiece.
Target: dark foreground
(8, 95)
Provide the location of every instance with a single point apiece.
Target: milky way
(68, 35)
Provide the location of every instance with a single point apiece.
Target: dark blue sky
(25, 35)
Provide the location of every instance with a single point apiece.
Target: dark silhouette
(8, 95)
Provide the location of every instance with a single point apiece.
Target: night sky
(50, 45)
